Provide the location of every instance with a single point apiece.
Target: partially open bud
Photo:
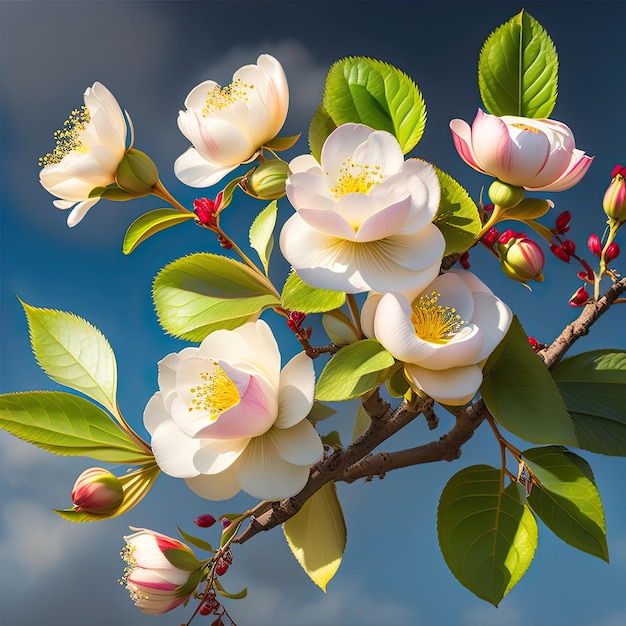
(521, 259)
(579, 298)
(339, 328)
(505, 195)
(137, 174)
(614, 201)
(97, 491)
(267, 181)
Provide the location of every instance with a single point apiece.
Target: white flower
(444, 335)
(227, 418)
(89, 149)
(228, 125)
(364, 215)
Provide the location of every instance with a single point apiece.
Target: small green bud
(504, 195)
(137, 174)
(267, 181)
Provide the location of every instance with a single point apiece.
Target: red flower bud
(559, 253)
(490, 237)
(594, 245)
(569, 246)
(563, 220)
(612, 252)
(579, 298)
(204, 521)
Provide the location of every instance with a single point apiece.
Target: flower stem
(161, 192)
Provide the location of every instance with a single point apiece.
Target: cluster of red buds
(207, 212)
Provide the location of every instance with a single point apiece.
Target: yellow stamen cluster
(68, 137)
(521, 126)
(216, 394)
(127, 556)
(356, 178)
(433, 322)
(221, 97)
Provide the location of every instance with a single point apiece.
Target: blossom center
(222, 97)
(521, 126)
(356, 178)
(216, 394)
(68, 137)
(433, 322)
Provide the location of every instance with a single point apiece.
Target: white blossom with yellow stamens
(227, 418)
(228, 125)
(364, 215)
(443, 335)
(89, 149)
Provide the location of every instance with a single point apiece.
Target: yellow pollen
(356, 178)
(127, 557)
(216, 394)
(532, 129)
(68, 137)
(433, 322)
(221, 97)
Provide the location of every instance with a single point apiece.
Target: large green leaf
(298, 296)
(521, 394)
(202, 292)
(316, 535)
(73, 353)
(372, 92)
(262, 233)
(457, 217)
(518, 69)
(593, 386)
(353, 371)
(487, 536)
(568, 501)
(69, 425)
(151, 223)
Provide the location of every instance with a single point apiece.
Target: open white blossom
(227, 418)
(443, 335)
(89, 149)
(227, 125)
(364, 215)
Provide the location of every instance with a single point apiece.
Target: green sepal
(278, 144)
(521, 394)
(397, 383)
(111, 192)
(298, 296)
(353, 371)
(195, 541)
(189, 587)
(136, 174)
(518, 69)
(567, 500)
(487, 535)
(151, 223)
(182, 559)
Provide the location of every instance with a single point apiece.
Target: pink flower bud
(579, 298)
(522, 260)
(594, 245)
(569, 246)
(563, 220)
(612, 252)
(614, 201)
(204, 521)
(559, 252)
(97, 491)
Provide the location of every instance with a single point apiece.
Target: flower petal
(300, 444)
(221, 486)
(296, 391)
(214, 455)
(193, 170)
(456, 386)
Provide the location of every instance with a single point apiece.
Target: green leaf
(518, 69)
(361, 423)
(353, 371)
(593, 386)
(69, 425)
(520, 393)
(372, 92)
(195, 541)
(486, 535)
(320, 127)
(568, 501)
(150, 224)
(73, 353)
(282, 143)
(232, 596)
(135, 484)
(298, 296)
(202, 292)
(316, 535)
(261, 233)
(457, 217)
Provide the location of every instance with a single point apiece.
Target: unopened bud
(594, 245)
(569, 246)
(559, 252)
(97, 491)
(505, 195)
(612, 252)
(562, 221)
(614, 201)
(339, 328)
(204, 521)
(267, 181)
(579, 298)
(522, 260)
(136, 174)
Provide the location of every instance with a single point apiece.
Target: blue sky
(150, 54)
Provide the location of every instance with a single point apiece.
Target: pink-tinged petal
(530, 157)
(215, 455)
(494, 318)
(382, 149)
(173, 450)
(394, 330)
(145, 550)
(575, 172)
(149, 579)
(462, 137)
(296, 391)
(304, 163)
(193, 170)
(156, 604)
(300, 444)
(339, 145)
(79, 211)
(383, 223)
(264, 474)
(309, 190)
(491, 144)
(221, 486)
(454, 387)
(330, 223)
